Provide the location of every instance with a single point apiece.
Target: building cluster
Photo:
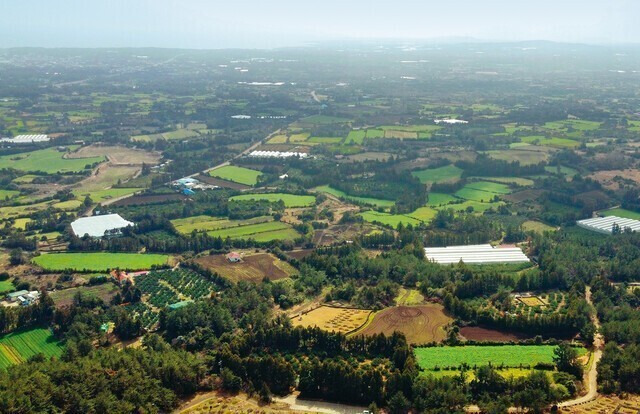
(475, 254)
(609, 224)
(24, 297)
(277, 154)
(189, 185)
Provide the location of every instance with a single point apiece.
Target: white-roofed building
(475, 254)
(97, 226)
(26, 139)
(605, 225)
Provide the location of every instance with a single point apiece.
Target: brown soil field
(606, 178)
(252, 268)
(477, 333)
(221, 183)
(525, 195)
(149, 199)
(369, 156)
(328, 318)
(118, 155)
(105, 291)
(420, 324)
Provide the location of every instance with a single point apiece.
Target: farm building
(98, 226)
(26, 139)
(234, 257)
(24, 297)
(606, 225)
(475, 254)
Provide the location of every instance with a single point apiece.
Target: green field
(323, 120)
(577, 124)
(490, 187)
(290, 200)
(561, 169)
(7, 286)
(621, 212)
(508, 355)
(476, 206)
(97, 262)
(438, 175)
(483, 191)
(48, 160)
(239, 175)
(17, 347)
(537, 226)
(440, 199)
(325, 140)
(356, 136)
(524, 182)
(551, 142)
(389, 219)
(261, 232)
(363, 200)
(6, 194)
(171, 135)
(208, 223)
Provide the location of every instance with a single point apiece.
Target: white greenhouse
(606, 224)
(475, 254)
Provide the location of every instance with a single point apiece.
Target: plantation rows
(144, 313)
(160, 287)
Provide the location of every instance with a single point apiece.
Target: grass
(489, 187)
(48, 160)
(483, 191)
(524, 156)
(561, 169)
(325, 140)
(21, 223)
(621, 212)
(97, 262)
(577, 124)
(323, 120)
(389, 219)
(103, 195)
(7, 286)
(67, 205)
(440, 199)
(7, 194)
(262, 232)
(362, 200)
(17, 347)
(537, 226)
(239, 175)
(290, 200)
(438, 175)
(409, 297)
(356, 136)
(551, 142)
(475, 206)
(103, 291)
(508, 355)
(524, 182)
(209, 223)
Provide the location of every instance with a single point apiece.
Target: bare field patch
(328, 318)
(609, 178)
(420, 324)
(118, 155)
(252, 268)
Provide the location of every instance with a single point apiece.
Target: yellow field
(532, 301)
(333, 319)
(607, 404)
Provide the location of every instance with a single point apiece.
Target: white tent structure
(97, 226)
(475, 254)
(605, 224)
(26, 139)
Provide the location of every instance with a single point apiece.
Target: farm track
(590, 377)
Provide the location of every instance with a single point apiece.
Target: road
(590, 377)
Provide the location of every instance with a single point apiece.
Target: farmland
(261, 232)
(209, 223)
(96, 262)
(170, 286)
(239, 175)
(513, 356)
(421, 215)
(420, 324)
(362, 200)
(48, 160)
(19, 346)
(444, 174)
(328, 318)
(289, 200)
(253, 267)
(621, 212)
(103, 291)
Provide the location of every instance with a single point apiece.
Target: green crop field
(524, 182)
(48, 160)
(325, 140)
(490, 187)
(262, 232)
(240, 175)
(6, 194)
(577, 124)
(561, 169)
(6, 286)
(17, 347)
(438, 175)
(440, 199)
(99, 261)
(551, 142)
(537, 226)
(388, 219)
(507, 355)
(356, 136)
(483, 191)
(208, 223)
(621, 212)
(363, 200)
(290, 200)
(476, 206)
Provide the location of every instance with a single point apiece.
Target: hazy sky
(274, 23)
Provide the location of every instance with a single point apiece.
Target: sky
(216, 24)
